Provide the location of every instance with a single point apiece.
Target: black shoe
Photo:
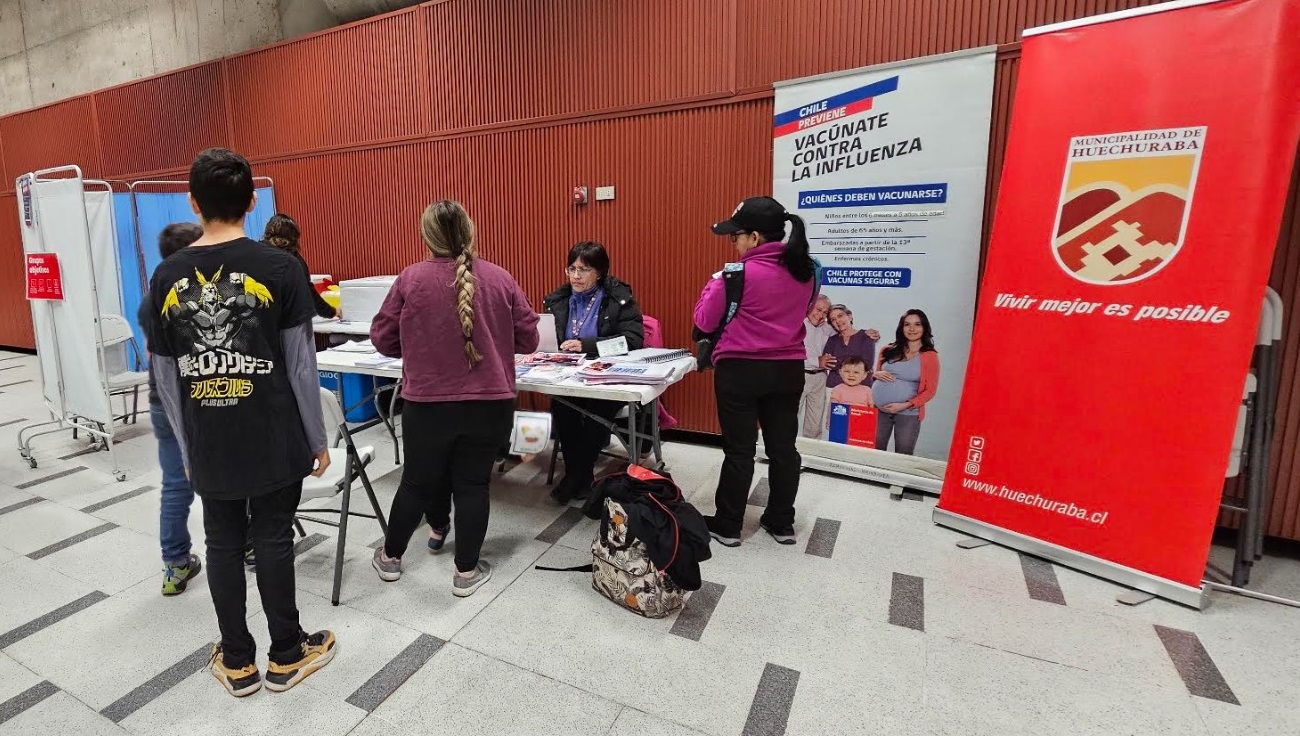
(783, 534)
(562, 493)
(250, 560)
(726, 540)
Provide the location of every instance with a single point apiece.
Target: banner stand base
(1186, 595)
(1133, 597)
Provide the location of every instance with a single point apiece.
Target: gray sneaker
(389, 569)
(465, 587)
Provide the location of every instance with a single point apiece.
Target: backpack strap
(577, 568)
(733, 282)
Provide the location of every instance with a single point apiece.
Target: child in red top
(853, 371)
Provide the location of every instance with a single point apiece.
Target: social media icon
(977, 443)
(972, 468)
(975, 456)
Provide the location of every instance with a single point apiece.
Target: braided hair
(449, 233)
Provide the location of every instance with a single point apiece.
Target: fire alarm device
(579, 195)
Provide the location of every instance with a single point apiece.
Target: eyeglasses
(579, 271)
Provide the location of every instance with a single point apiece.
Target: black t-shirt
(219, 310)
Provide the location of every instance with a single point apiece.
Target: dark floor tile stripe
(561, 526)
(907, 602)
(821, 543)
(13, 421)
(48, 478)
(758, 496)
(13, 636)
(386, 681)
(88, 451)
(9, 367)
(770, 712)
(15, 383)
(1194, 665)
(157, 685)
(26, 699)
(20, 505)
(1040, 578)
(116, 499)
(60, 546)
(699, 609)
(307, 543)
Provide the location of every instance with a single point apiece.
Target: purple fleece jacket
(419, 324)
(770, 322)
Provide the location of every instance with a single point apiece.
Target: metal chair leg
(298, 525)
(555, 456)
(343, 533)
(374, 501)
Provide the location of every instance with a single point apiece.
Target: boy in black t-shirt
(234, 360)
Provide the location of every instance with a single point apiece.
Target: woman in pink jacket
(760, 363)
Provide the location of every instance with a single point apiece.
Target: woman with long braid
(457, 322)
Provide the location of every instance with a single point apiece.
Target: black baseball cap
(754, 215)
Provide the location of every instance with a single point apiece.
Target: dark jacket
(673, 531)
(323, 308)
(619, 315)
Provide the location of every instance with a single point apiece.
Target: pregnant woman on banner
(905, 379)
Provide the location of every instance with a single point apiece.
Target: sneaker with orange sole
(317, 651)
(240, 682)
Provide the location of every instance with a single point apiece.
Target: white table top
(340, 327)
(343, 362)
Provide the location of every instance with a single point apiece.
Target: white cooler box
(360, 299)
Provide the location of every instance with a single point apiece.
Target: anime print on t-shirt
(220, 318)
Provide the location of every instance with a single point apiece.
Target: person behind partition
(283, 233)
(456, 321)
(907, 377)
(817, 363)
(180, 565)
(848, 342)
(592, 306)
(235, 364)
(759, 360)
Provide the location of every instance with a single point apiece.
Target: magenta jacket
(418, 323)
(770, 322)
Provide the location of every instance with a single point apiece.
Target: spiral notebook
(652, 355)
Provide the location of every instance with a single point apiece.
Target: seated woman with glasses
(593, 306)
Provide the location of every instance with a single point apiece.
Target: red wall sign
(1140, 203)
(44, 281)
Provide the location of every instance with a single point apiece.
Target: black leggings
(450, 448)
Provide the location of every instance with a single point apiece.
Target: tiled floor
(876, 623)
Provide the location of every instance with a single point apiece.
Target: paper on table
(362, 346)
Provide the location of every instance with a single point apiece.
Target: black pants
(753, 394)
(582, 438)
(450, 448)
(229, 528)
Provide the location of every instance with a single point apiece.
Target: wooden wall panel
(55, 135)
(786, 40)
(495, 61)
(15, 315)
(345, 87)
(158, 124)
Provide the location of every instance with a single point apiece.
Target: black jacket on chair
(619, 315)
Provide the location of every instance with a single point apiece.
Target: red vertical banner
(1146, 172)
(44, 280)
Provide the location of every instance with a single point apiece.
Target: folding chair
(347, 463)
(116, 331)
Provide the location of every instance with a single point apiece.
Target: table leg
(656, 442)
(633, 443)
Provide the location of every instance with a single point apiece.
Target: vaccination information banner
(887, 166)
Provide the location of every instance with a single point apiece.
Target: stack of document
(641, 374)
(546, 373)
(376, 361)
(363, 346)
